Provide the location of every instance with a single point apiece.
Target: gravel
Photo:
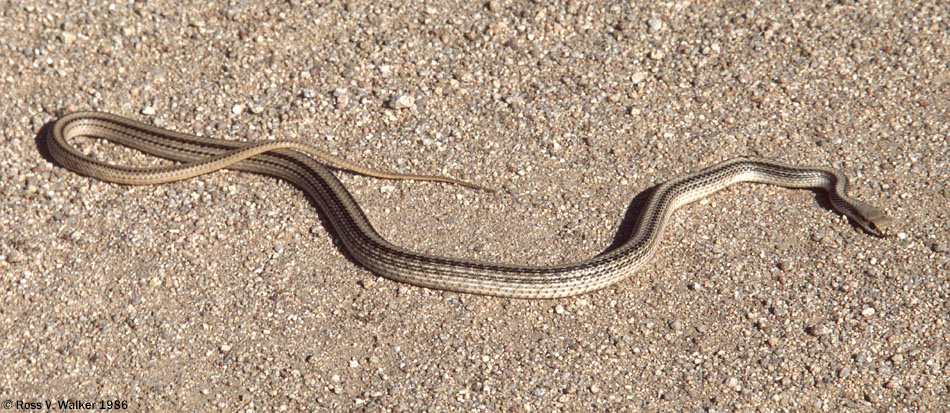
(228, 292)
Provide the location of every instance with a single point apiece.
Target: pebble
(342, 99)
(68, 38)
(638, 77)
(733, 383)
(148, 110)
(676, 325)
(867, 311)
(15, 256)
(778, 311)
(893, 383)
(32, 184)
(225, 348)
(939, 247)
(399, 101)
(655, 24)
(494, 6)
(237, 109)
(819, 330)
(514, 101)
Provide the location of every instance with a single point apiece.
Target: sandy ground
(226, 292)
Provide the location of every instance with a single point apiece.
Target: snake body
(298, 163)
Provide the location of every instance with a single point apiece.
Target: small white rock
(893, 383)
(399, 101)
(15, 257)
(237, 109)
(68, 38)
(819, 330)
(732, 383)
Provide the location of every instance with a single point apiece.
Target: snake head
(871, 219)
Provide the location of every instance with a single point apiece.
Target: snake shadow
(40, 140)
(632, 216)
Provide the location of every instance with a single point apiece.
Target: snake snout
(872, 219)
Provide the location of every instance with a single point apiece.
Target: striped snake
(296, 162)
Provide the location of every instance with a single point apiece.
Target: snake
(311, 170)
